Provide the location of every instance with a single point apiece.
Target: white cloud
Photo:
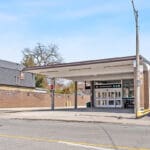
(74, 44)
(102, 7)
(95, 47)
(79, 46)
(91, 10)
(70, 9)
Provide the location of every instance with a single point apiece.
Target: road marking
(83, 144)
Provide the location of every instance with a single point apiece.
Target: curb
(77, 121)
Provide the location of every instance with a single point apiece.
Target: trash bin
(88, 104)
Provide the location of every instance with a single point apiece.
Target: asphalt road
(53, 135)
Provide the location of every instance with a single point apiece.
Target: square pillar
(149, 88)
(76, 95)
(92, 94)
(146, 89)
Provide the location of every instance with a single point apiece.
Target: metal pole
(92, 94)
(76, 97)
(137, 62)
(52, 93)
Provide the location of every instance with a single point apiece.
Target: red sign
(51, 87)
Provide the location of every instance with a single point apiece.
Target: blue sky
(82, 29)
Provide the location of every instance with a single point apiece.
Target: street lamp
(137, 84)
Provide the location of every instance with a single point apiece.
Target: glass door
(108, 97)
(108, 94)
(101, 98)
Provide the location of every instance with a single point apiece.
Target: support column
(149, 87)
(76, 95)
(146, 86)
(92, 94)
(52, 93)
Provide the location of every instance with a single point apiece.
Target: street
(58, 135)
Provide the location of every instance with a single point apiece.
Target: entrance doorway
(108, 94)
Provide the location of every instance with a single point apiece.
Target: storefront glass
(108, 93)
(128, 88)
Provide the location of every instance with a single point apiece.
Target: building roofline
(17, 86)
(145, 60)
(11, 65)
(78, 63)
(9, 62)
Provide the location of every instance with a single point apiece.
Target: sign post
(52, 91)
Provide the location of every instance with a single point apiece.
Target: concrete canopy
(103, 69)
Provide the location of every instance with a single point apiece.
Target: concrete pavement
(47, 135)
(83, 115)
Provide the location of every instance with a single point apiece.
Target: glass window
(96, 94)
(103, 102)
(116, 94)
(111, 102)
(103, 96)
(112, 95)
(119, 94)
(109, 94)
(118, 102)
(99, 94)
(128, 88)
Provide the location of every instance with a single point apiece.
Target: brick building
(17, 89)
(111, 82)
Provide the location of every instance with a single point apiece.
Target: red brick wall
(68, 100)
(10, 99)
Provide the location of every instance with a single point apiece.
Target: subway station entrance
(111, 82)
(108, 94)
(114, 93)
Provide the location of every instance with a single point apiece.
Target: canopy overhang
(103, 69)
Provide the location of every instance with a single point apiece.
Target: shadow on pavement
(101, 110)
(109, 110)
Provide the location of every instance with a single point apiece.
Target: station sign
(104, 86)
(107, 86)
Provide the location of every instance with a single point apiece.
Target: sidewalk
(72, 116)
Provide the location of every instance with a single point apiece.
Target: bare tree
(43, 55)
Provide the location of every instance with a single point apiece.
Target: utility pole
(137, 84)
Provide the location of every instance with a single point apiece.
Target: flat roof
(103, 69)
(89, 62)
